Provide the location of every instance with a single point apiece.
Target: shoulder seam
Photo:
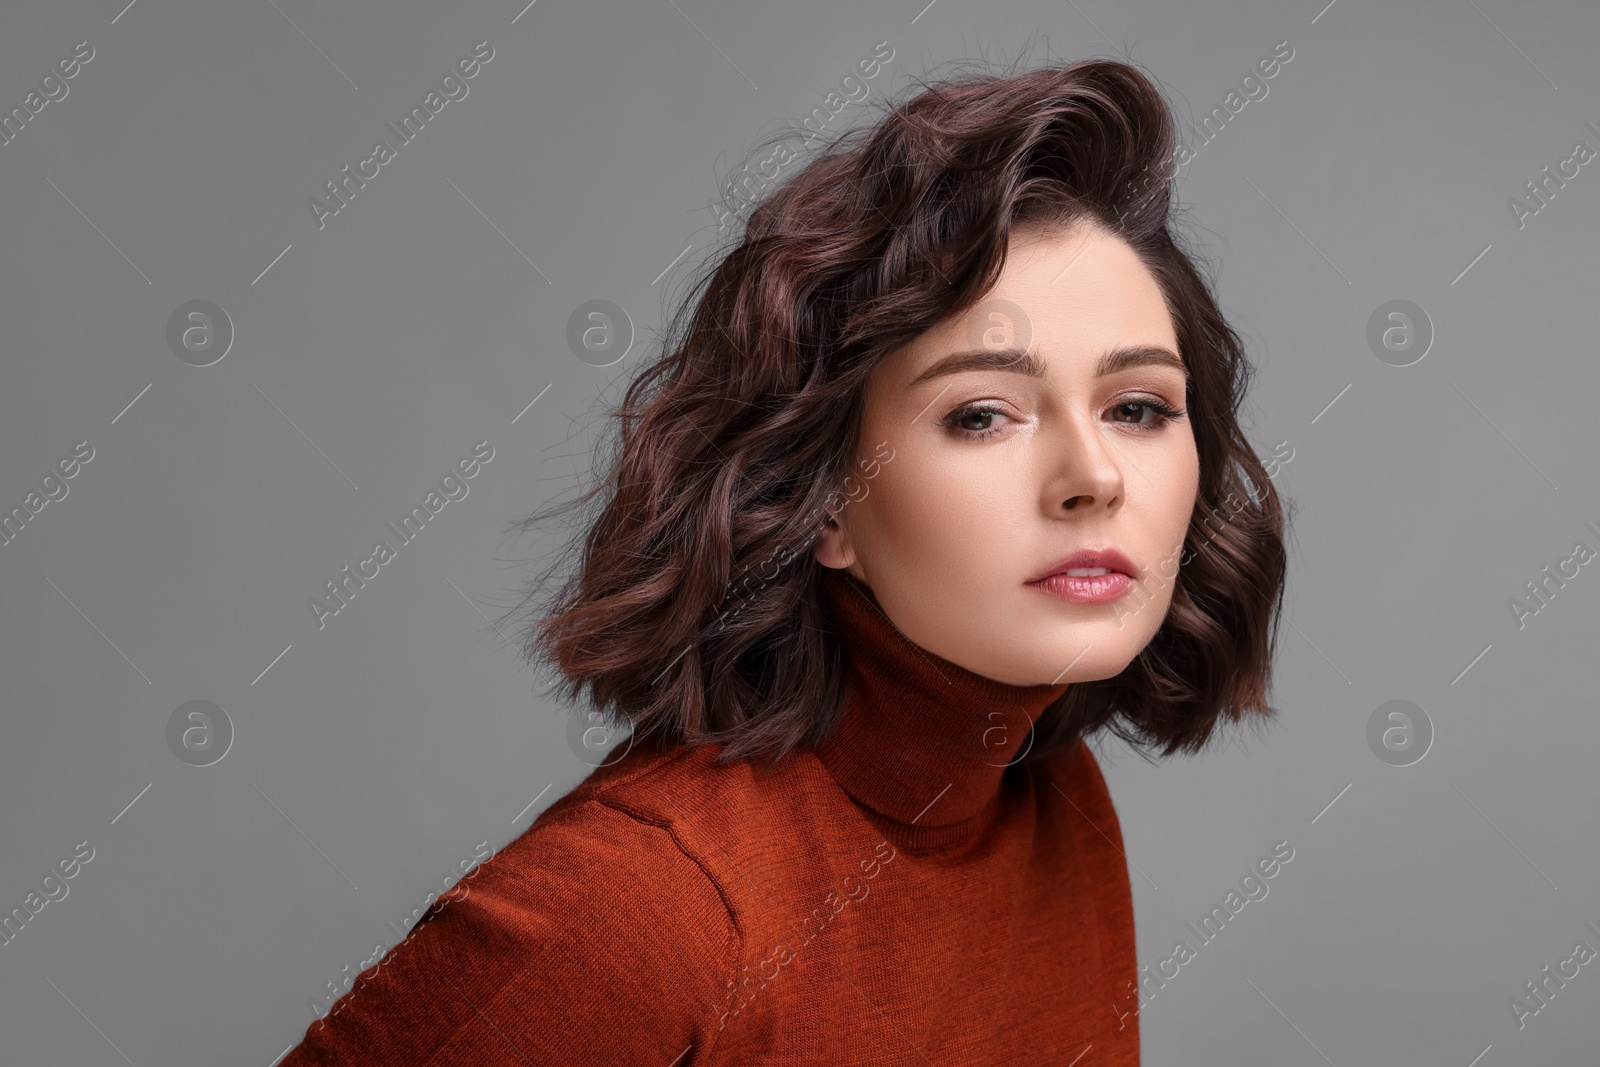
(735, 942)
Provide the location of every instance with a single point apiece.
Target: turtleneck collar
(922, 742)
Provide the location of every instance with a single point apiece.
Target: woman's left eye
(1159, 413)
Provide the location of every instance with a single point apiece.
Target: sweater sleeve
(591, 939)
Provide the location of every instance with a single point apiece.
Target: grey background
(432, 310)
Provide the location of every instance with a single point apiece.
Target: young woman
(943, 476)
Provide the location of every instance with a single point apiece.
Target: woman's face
(1017, 435)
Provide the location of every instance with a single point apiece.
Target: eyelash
(1164, 415)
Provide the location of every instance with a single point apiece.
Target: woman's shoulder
(591, 906)
(689, 786)
(632, 842)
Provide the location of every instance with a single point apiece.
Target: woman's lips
(1085, 585)
(1087, 576)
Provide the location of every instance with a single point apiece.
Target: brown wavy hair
(695, 611)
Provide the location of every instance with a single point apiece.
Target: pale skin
(951, 528)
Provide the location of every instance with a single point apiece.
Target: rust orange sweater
(896, 896)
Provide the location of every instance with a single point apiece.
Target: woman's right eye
(974, 422)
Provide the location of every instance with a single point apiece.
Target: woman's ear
(833, 547)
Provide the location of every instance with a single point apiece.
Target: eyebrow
(1019, 362)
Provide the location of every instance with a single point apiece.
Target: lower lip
(1083, 590)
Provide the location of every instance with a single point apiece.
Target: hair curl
(695, 611)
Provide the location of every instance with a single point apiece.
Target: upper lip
(1109, 558)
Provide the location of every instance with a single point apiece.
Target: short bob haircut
(696, 610)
